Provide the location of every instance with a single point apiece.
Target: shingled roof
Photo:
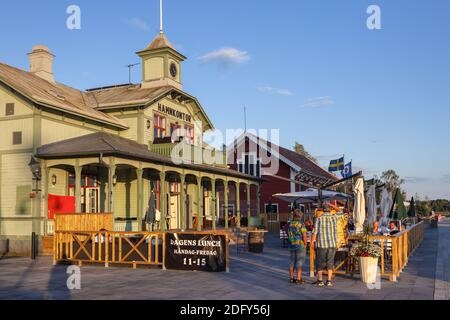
(55, 95)
(101, 143)
(306, 164)
(160, 42)
(301, 161)
(121, 96)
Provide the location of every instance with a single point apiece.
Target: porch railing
(396, 251)
(126, 226)
(49, 227)
(190, 153)
(129, 248)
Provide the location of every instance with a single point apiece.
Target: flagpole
(161, 16)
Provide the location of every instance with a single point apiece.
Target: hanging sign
(196, 252)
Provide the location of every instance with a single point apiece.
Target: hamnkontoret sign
(174, 113)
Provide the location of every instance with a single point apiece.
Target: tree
(300, 149)
(392, 179)
(377, 182)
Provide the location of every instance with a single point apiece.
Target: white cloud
(318, 102)
(137, 23)
(225, 57)
(282, 92)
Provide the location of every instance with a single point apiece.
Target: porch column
(225, 204)
(111, 173)
(163, 201)
(258, 200)
(213, 203)
(183, 201)
(140, 196)
(238, 204)
(78, 170)
(249, 203)
(199, 204)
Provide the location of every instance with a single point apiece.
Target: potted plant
(368, 254)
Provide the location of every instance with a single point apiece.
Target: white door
(91, 196)
(174, 212)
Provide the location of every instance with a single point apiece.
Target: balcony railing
(186, 153)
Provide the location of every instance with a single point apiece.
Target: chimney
(41, 63)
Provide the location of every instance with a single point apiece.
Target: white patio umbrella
(386, 206)
(311, 196)
(359, 208)
(371, 205)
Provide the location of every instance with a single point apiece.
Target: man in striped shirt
(325, 235)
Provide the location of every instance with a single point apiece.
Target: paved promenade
(442, 282)
(252, 277)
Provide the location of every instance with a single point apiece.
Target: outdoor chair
(388, 250)
(284, 236)
(241, 240)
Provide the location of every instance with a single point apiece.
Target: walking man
(325, 236)
(297, 241)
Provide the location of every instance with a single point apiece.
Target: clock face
(173, 70)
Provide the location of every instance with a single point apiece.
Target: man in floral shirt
(297, 242)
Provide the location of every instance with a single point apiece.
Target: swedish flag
(337, 165)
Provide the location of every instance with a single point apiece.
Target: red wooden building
(279, 167)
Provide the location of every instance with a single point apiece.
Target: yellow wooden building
(122, 149)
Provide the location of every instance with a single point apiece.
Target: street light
(35, 168)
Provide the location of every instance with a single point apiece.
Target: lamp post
(35, 168)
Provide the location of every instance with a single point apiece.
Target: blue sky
(310, 68)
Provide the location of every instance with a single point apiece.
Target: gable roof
(135, 95)
(89, 104)
(296, 161)
(54, 95)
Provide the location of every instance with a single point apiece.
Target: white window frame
(256, 163)
(277, 213)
